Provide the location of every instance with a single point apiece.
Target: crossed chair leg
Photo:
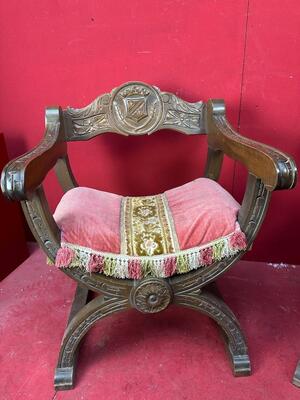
(296, 377)
(152, 295)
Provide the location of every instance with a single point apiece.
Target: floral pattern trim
(147, 228)
(160, 266)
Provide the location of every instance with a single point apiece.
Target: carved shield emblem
(136, 107)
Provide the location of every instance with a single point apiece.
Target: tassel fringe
(162, 266)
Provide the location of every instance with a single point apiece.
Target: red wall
(246, 52)
(13, 246)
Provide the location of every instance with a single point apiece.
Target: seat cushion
(185, 228)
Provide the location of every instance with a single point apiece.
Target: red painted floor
(176, 354)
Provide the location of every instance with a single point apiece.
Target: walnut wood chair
(151, 272)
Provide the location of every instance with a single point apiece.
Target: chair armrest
(276, 169)
(21, 176)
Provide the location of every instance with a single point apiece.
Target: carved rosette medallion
(136, 108)
(151, 295)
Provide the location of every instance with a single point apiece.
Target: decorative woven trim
(123, 244)
(146, 227)
(161, 266)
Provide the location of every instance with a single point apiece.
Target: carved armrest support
(21, 176)
(65, 174)
(254, 208)
(276, 169)
(42, 223)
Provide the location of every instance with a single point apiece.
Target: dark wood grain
(22, 178)
(24, 174)
(64, 174)
(276, 169)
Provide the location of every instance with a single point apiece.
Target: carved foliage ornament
(134, 108)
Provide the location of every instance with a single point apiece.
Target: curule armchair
(146, 252)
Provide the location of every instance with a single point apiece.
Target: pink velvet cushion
(90, 218)
(199, 214)
(202, 212)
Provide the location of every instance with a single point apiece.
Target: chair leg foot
(64, 378)
(208, 303)
(77, 328)
(296, 377)
(241, 365)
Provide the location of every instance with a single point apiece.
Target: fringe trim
(161, 266)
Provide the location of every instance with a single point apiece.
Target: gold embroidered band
(147, 228)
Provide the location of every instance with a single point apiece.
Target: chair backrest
(134, 108)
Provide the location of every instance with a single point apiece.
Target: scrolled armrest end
(287, 174)
(276, 169)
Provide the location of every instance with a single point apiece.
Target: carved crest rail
(134, 108)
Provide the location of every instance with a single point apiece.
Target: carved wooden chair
(146, 252)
